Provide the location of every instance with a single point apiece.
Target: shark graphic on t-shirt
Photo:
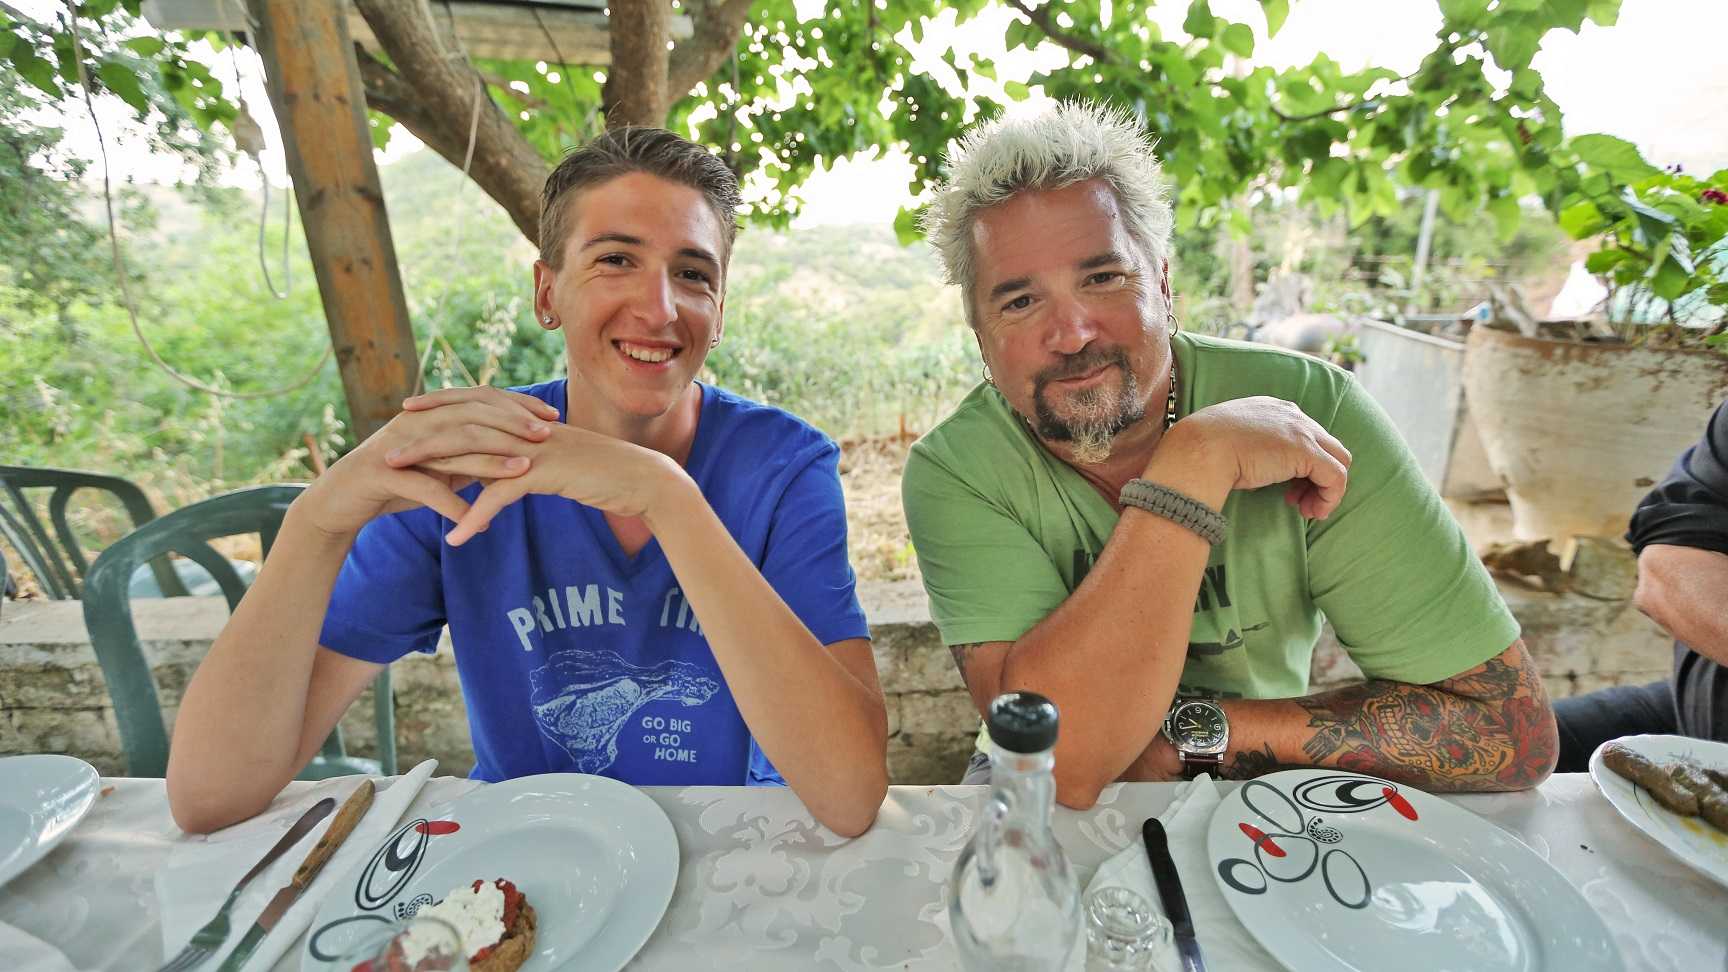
(583, 698)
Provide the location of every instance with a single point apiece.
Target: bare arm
(1108, 657)
(817, 711)
(1111, 655)
(1490, 728)
(1681, 589)
(266, 696)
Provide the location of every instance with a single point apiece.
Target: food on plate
(1683, 787)
(1653, 777)
(1712, 799)
(493, 919)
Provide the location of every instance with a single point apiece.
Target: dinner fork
(205, 941)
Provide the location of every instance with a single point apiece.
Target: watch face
(1198, 727)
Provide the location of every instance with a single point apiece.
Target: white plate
(1376, 876)
(41, 798)
(596, 859)
(1689, 838)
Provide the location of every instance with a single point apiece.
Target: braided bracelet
(1180, 509)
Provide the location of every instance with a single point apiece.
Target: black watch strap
(1194, 764)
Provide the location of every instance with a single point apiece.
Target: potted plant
(1580, 418)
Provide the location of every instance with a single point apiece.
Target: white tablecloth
(763, 887)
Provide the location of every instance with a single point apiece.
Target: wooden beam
(314, 86)
(517, 33)
(567, 31)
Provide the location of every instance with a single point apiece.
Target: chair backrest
(56, 558)
(108, 605)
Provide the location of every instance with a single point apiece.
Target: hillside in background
(839, 324)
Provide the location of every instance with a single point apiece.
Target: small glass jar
(1124, 933)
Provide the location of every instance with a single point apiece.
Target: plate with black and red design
(596, 859)
(1337, 871)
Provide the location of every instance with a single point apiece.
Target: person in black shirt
(1680, 533)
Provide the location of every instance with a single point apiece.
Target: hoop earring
(988, 378)
(1175, 325)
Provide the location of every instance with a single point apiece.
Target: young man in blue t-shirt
(644, 577)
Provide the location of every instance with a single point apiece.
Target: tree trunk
(717, 24)
(1238, 256)
(433, 93)
(636, 87)
(431, 88)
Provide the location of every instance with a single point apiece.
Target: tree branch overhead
(432, 92)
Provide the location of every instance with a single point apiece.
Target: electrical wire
(120, 260)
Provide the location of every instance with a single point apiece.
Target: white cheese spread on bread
(477, 915)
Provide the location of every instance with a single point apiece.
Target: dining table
(762, 886)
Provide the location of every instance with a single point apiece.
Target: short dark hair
(628, 149)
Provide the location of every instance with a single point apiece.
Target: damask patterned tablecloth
(762, 886)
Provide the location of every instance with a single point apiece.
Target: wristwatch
(1200, 732)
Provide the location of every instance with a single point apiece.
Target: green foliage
(1449, 126)
(1465, 256)
(84, 394)
(1366, 269)
(174, 97)
(1344, 351)
(1614, 156)
(800, 94)
(1473, 122)
(853, 90)
(49, 256)
(840, 325)
(846, 328)
(794, 97)
(1664, 234)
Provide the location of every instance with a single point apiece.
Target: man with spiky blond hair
(1149, 526)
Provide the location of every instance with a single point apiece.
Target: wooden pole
(320, 105)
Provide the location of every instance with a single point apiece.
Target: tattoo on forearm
(1249, 764)
(1490, 728)
(963, 657)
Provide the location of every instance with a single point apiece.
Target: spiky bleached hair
(1071, 143)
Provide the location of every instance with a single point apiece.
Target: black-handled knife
(1170, 892)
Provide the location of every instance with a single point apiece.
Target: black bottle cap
(1023, 722)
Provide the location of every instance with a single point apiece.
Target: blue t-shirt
(576, 658)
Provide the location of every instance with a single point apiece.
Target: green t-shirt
(1004, 531)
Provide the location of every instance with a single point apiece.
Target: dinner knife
(346, 818)
(214, 932)
(1170, 892)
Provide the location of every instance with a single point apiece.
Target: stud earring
(546, 319)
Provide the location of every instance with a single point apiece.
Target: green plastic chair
(108, 617)
(57, 559)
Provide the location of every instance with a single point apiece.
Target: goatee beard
(1101, 415)
(1091, 444)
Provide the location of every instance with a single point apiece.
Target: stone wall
(53, 697)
